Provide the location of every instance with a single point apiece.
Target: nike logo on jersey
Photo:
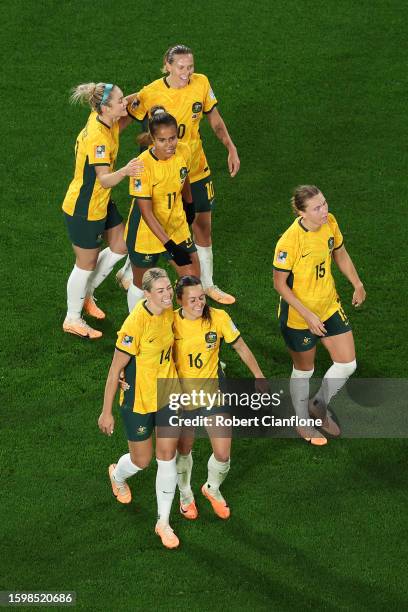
(306, 254)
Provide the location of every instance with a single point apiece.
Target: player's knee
(141, 462)
(222, 457)
(344, 370)
(165, 454)
(184, 447)
(302, 373)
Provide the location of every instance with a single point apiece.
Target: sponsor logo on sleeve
(183, 173)
(127, 340)
(212, 94)
(330, 242)
(282, 256)
(100, 152)
(137, 184)
(233, 327)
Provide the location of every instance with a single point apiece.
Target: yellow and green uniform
(96, 145)
(148, 339)
(197, 346)
(307, 256)
(161, 182)
(187, 105)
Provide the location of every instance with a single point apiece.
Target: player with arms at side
(310, 308)
(144, 352)
(158, 219)
(198, 333)
(188, 97)
(89, 212)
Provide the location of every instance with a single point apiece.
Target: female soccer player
(198, 332)
(90, 214)
(188, 96)
(144, 352)
(310, 308)
(157, 222)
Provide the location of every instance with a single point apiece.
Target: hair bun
(158, 111)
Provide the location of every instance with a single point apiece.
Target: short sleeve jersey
(148, 339)
(197, 343)
(307, 256)
(161, 181)
(96, 145)
(187, 105)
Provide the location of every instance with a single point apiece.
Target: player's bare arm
(106, 422)
(346, 267)
(220, 129)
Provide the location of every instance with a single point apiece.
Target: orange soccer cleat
(120, 491)
(79, 327)
(92, 309)
(329, 425)
(220, 508)
(189, 511)
(312, 435)
(167, 535)
(216, 294)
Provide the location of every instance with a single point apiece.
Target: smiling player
(144, 352)
(188, 97)
(157, 223)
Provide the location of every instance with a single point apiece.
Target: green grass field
(311, 92)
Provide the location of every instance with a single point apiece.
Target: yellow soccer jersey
(96, 145)
(161, 182)
(187, 105)
(307, 256)
(148, 338)
(197, 343)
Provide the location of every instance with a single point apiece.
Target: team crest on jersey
(141, 430)
(282, 255)
(189, 242)
(148, 258)
(211, 339)
(137, 184)
(330, 242)
(127, 340)
(306, 340)
(100, 151)
(197, 107)
(183, 173)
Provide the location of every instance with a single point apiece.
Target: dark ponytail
(158, 116)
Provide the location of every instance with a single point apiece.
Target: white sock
(184, 464)
(166, 482)
(299, 391)
(104, 266)
(205, 256)
(126, 269)
(134, 295)
(334, 379)
(76, 292)
(124, 469)
(217, 473)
